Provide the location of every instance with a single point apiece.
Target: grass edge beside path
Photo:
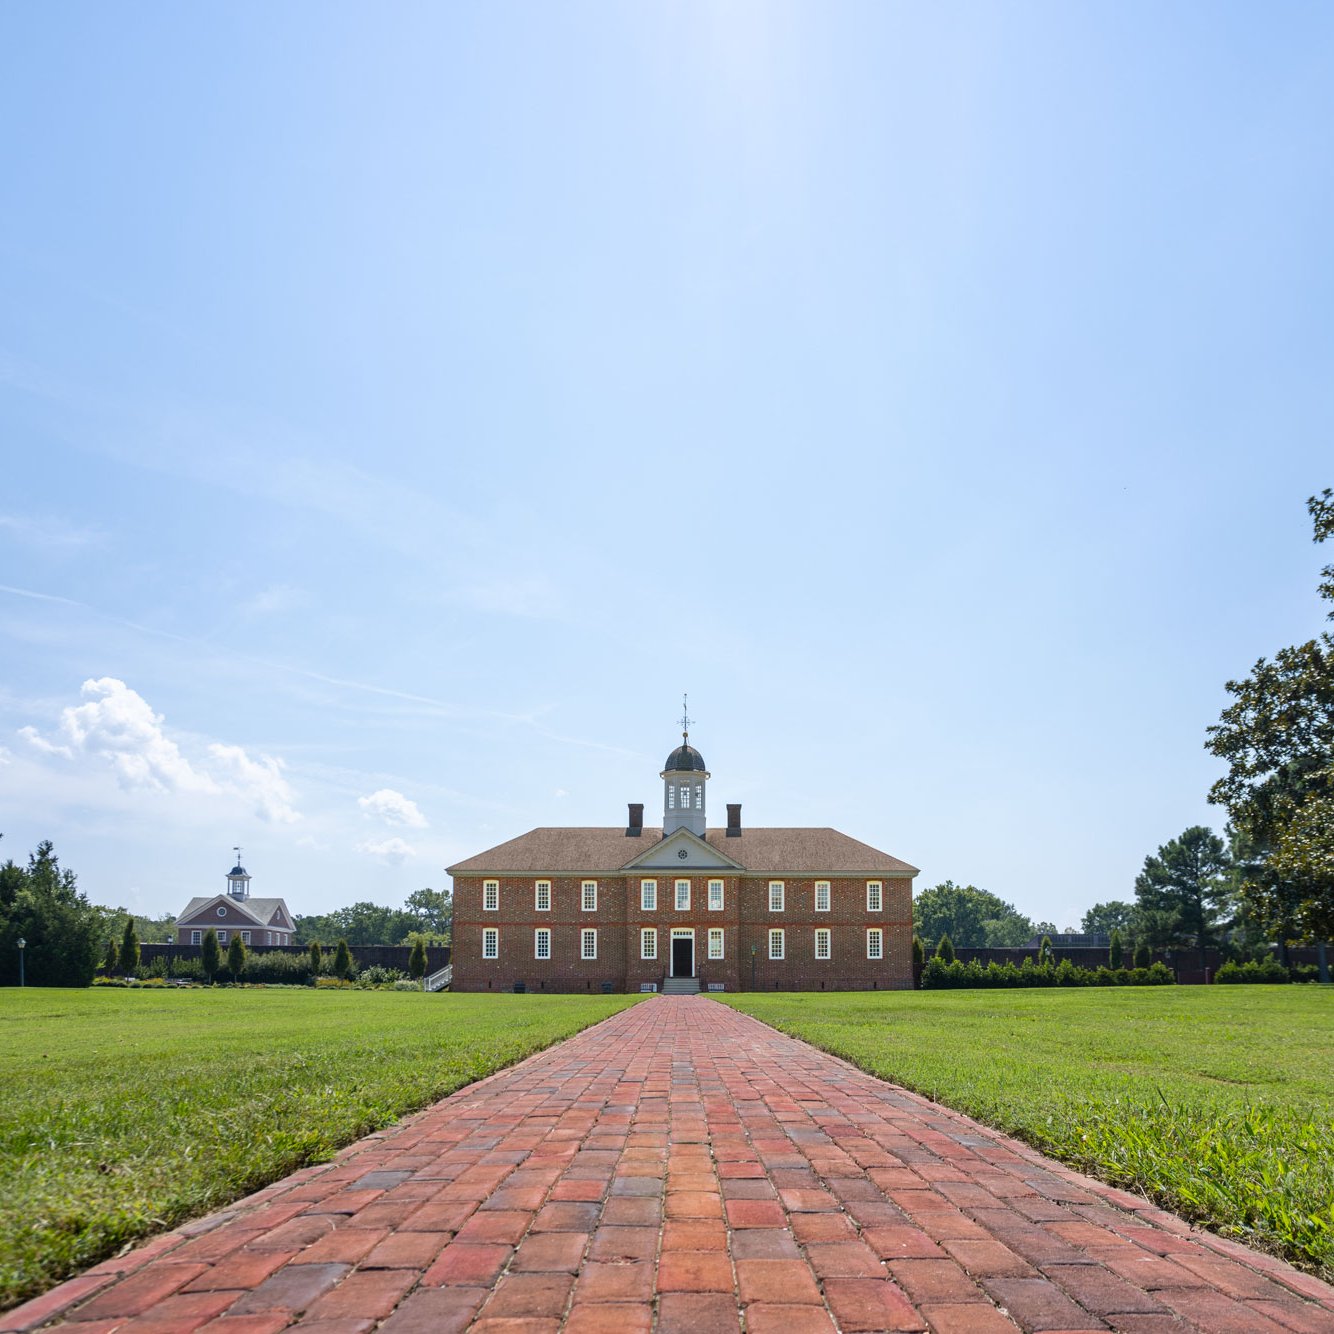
(131, 1112)
(1217, 1107)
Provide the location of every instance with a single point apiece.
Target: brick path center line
(684, 1168)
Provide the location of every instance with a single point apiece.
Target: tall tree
(1277, 738)
(971, 917)
(236, 957)
(1183, 889)
(211, 955)
(1114, 915)
(129, 949)
(42, 904)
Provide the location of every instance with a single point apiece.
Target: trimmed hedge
(1267, 970)
(938, 975)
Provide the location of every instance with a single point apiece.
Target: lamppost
(22, 946)
(754, 950)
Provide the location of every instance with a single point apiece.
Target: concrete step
(680, 986)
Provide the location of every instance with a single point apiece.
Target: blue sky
(402, 405)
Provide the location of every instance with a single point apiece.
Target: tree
(1114, 915)
(111, 958)
(129, 949)
(1182, 891)
(1116, 952)
(1045, 952)
(316, 958)
(342, 964)
(211, 957)
(434, 911)
(945, 950)
(1143, 954)
(1277, 738)
(417, 959)
(236, 957)
(971, 917)
(918, 949)
(41, 904)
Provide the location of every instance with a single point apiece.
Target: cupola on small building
(235, 912)
(682, 907)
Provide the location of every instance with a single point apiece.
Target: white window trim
(718, 885)
(777, 895)
(685, 796)
(828, 895)
(196, 937)
(490, 895)
(648, 896)
(648, 942)
(538, 934)
(877, 934)
(586, 936)
(490, 942)
(538, 887)
(777, 936)
(676, 895)
(877, 888)
(245, 937)
(222, 936)
(828, 955)
(588, 902)
(716, 937)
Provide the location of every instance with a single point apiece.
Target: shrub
(417, 959)
(376, 975)
(129, 948)
(1045, 954)
(1269, 970)
(333, 983)
(403, 984)
(1116, 950)
(343, 963)
(918, 949)
(273, 966)
(212, 955)
(315, 958)
(191, 969)
(1143, 955)
(945, 949)
(236, 957)
(939, 975)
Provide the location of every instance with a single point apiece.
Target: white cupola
(684, 780)
(238, 879)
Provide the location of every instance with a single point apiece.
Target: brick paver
(681, 1167)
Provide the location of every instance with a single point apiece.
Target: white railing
(438, 981)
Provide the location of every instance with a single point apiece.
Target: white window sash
(648, 943)
(777, 944)
(715, 942)
(542, 896)
(823, 895)
(648, 896)
(490, 943)
(875, 896)
(875, 943)
(823, 944)
(588, 896)
(542, 937)
(682, 896)
(491, 896)
(715, 895)
(588, 938)
(777, 894)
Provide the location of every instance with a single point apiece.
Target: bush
(417, 959)
(343, 963)
(918, 950)
(378, 976)
(236, 957)
(945, 949)
(212, 955)
(1143, 955)
(405, 984)
(333, 984)
(1116, 950)
(316, 958)
(938, 975)
(1269, 970)
(275, 967)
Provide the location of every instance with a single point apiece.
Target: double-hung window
(875, 943)
(822, 946)
(490, 895)
(589, 896)
(776, 949)
(715, 896)
(683, 896)
(245, 937)
(874, 895)
(648, 943)
(490, 943)
(196, 937)
(542, 943)
(822, 896)
(542, 896)
(222, 937)
(715, 942)
(648, 896)
(777, 890)
(588, 943)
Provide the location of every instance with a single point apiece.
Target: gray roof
(763, 851)
(684, 759)
(262, 910)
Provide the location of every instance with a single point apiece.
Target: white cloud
(116, 724)
(560, 792)
(393, 808)
(393, 850)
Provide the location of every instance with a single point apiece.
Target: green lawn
(1218, 1102)
(126, 1112)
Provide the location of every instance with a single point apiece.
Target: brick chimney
(733, 819)
(636, 826)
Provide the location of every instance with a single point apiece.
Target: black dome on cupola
(238, 869)
(684, 759)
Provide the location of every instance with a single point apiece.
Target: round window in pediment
(222, 912)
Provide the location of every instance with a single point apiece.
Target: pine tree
(1116, 951)
(236, 957)
(129, 949)
(212, 955)
(918, 950)
(316, 958)
(342, 960)
(417, 959)
(111, 958)
(945, 949)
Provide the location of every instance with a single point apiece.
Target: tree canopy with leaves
(1183, 891)
(41, 904)
(971, 917)
(1277, 738)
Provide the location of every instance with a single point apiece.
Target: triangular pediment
(206, 913)
(683, 851)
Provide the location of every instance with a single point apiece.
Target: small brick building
(683, 905)
(256, 921)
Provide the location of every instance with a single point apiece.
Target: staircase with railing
(438, 980)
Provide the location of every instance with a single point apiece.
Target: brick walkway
(681, 1167)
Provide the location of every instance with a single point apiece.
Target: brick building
(256, 921)
(683, 905)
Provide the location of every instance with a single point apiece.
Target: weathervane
(238, 855)
(686, 719)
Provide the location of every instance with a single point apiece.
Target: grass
(127, 1112)
(1216, 1102)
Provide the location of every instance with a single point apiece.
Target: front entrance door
(683, 956)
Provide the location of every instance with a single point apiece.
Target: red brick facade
(619, 920)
